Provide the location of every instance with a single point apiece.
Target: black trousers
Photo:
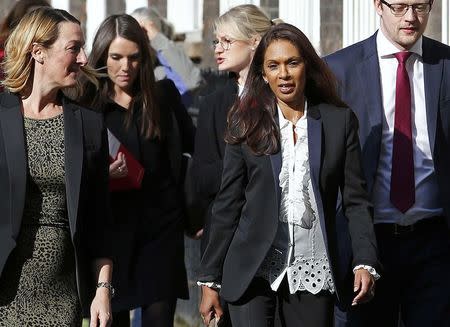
(262, 307)
(414, 286)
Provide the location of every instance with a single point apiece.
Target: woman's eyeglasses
(225, 44)
(400, 9)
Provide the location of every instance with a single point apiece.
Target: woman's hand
(195, 236)
(101, 308)
(210, 305)
(365, 283)
(118, 168)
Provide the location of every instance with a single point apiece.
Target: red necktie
(402, 174)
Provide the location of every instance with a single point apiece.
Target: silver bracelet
(109, 286)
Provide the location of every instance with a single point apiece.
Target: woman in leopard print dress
(53, 182)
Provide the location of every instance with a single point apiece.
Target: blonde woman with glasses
(238, 32)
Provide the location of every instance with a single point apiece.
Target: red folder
(135, 170)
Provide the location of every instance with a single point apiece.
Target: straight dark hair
(252, 118)
(144, 98)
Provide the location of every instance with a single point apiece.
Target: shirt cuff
(212, 285)
(370, 269)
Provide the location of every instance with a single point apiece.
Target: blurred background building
(330, 24)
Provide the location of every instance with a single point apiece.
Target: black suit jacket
(209, 139)
(210, 147)
(86, 169)
(246, 209)
(357, 70)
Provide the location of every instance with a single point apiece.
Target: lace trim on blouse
(312, 275)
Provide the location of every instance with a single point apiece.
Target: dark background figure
(149, 221)
(291, 146)
(404, 112)
(54, 211)
(13, 17)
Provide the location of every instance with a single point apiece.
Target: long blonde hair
(40, 26)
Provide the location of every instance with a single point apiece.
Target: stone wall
(331, 27)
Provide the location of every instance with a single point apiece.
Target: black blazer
(210, 147)
(209, 139)
(357, 70)
(86, 168)
(246, 209)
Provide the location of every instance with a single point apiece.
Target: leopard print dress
(38, 284)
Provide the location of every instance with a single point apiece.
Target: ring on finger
(120, 169)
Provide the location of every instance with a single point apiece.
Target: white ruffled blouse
(299, 248)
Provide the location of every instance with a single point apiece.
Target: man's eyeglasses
(400, 9)
(225, 44)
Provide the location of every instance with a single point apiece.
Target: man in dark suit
(398, 83)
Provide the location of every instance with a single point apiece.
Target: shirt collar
(240, 89)
(386, 49)
(284, 122)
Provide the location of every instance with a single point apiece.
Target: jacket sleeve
(226, 213)
(357, 208)
(99, 215)
(175, 61)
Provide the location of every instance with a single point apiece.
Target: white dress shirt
(426, 197)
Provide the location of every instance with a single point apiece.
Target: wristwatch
(107, 285)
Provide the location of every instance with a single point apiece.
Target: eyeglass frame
(215, 43)
(391, 6)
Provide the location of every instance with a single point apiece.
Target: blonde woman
(53, 182)
(238, 32)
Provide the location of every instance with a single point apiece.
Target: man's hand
(210, 305)
(365, 284)
(149, 28)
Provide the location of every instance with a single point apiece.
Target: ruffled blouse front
(299, 249)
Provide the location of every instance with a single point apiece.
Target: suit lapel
(276, 161)
(368, 71)
(315, 158)
(73, 142)
(11, 121)
(432, 70)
